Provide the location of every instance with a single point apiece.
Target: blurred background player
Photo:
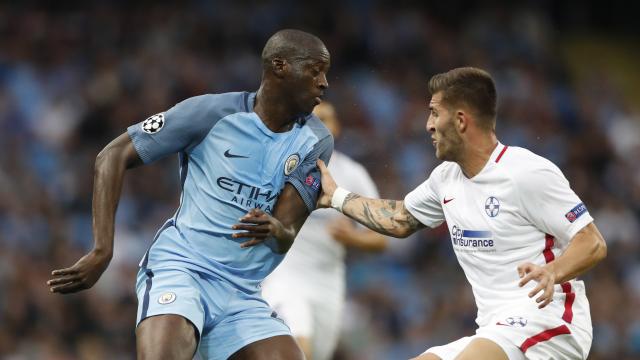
(308, 288)
(517, 228)
(244, 158)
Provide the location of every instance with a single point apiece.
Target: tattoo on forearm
(389, 217)
(371, 221)
(351, 196)
(390, 208)
(412, 222)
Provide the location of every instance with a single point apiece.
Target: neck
(276, 114)
(476, 153)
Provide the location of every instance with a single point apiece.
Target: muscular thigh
(482, 349)
(166, 337)
(276, 347)
(466, 348)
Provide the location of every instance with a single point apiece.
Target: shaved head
(291, 44)
(294, 70)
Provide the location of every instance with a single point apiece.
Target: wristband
(337, 200)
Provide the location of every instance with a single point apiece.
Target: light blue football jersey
(230, 163)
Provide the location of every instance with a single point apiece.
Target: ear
(280, 66)
(462, 121)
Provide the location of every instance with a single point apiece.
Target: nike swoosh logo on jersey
(230, 155)
(501, 323)
(445, 200)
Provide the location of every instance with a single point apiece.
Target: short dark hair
(470, 86)
(289, 44)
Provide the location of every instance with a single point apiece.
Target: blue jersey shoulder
(317, 126)
(217, 106)
(185, 125)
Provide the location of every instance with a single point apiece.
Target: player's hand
(344, 231)
(82, 275)
(259, 226)
(328, 186)
(546, 280)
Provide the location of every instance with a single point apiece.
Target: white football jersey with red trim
(519, 208)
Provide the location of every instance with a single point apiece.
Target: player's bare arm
(348, 234)
(289, 214)
(110, 167)
(389, 217)
(587, 248)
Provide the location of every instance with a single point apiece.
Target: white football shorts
(526, 332)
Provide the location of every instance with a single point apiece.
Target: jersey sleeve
(178, 129)
(424, 202)
(550, 203)
(306, 177)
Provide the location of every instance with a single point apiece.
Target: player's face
(441, 125)
(308, 80)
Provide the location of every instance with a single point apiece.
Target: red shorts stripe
(566, 287)
(501, 153)
(544, 336)
(548, 244)
(568, 302)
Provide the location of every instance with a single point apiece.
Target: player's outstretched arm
(289, 215)
(348, 234)
(110, 167)
(587, 248)
(389, 217)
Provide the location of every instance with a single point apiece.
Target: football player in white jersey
(307, 289)
(520, 233)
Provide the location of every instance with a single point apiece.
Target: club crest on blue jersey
(153, 124)
(492, 206)
(576, 212)
(291, 163)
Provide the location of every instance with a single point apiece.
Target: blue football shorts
(227, 318)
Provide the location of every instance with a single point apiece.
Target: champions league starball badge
(153, 124)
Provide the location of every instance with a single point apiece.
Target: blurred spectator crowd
(72, 79)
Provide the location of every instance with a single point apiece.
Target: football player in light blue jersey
(249, 181)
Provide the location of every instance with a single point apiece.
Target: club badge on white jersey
(492, 206)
